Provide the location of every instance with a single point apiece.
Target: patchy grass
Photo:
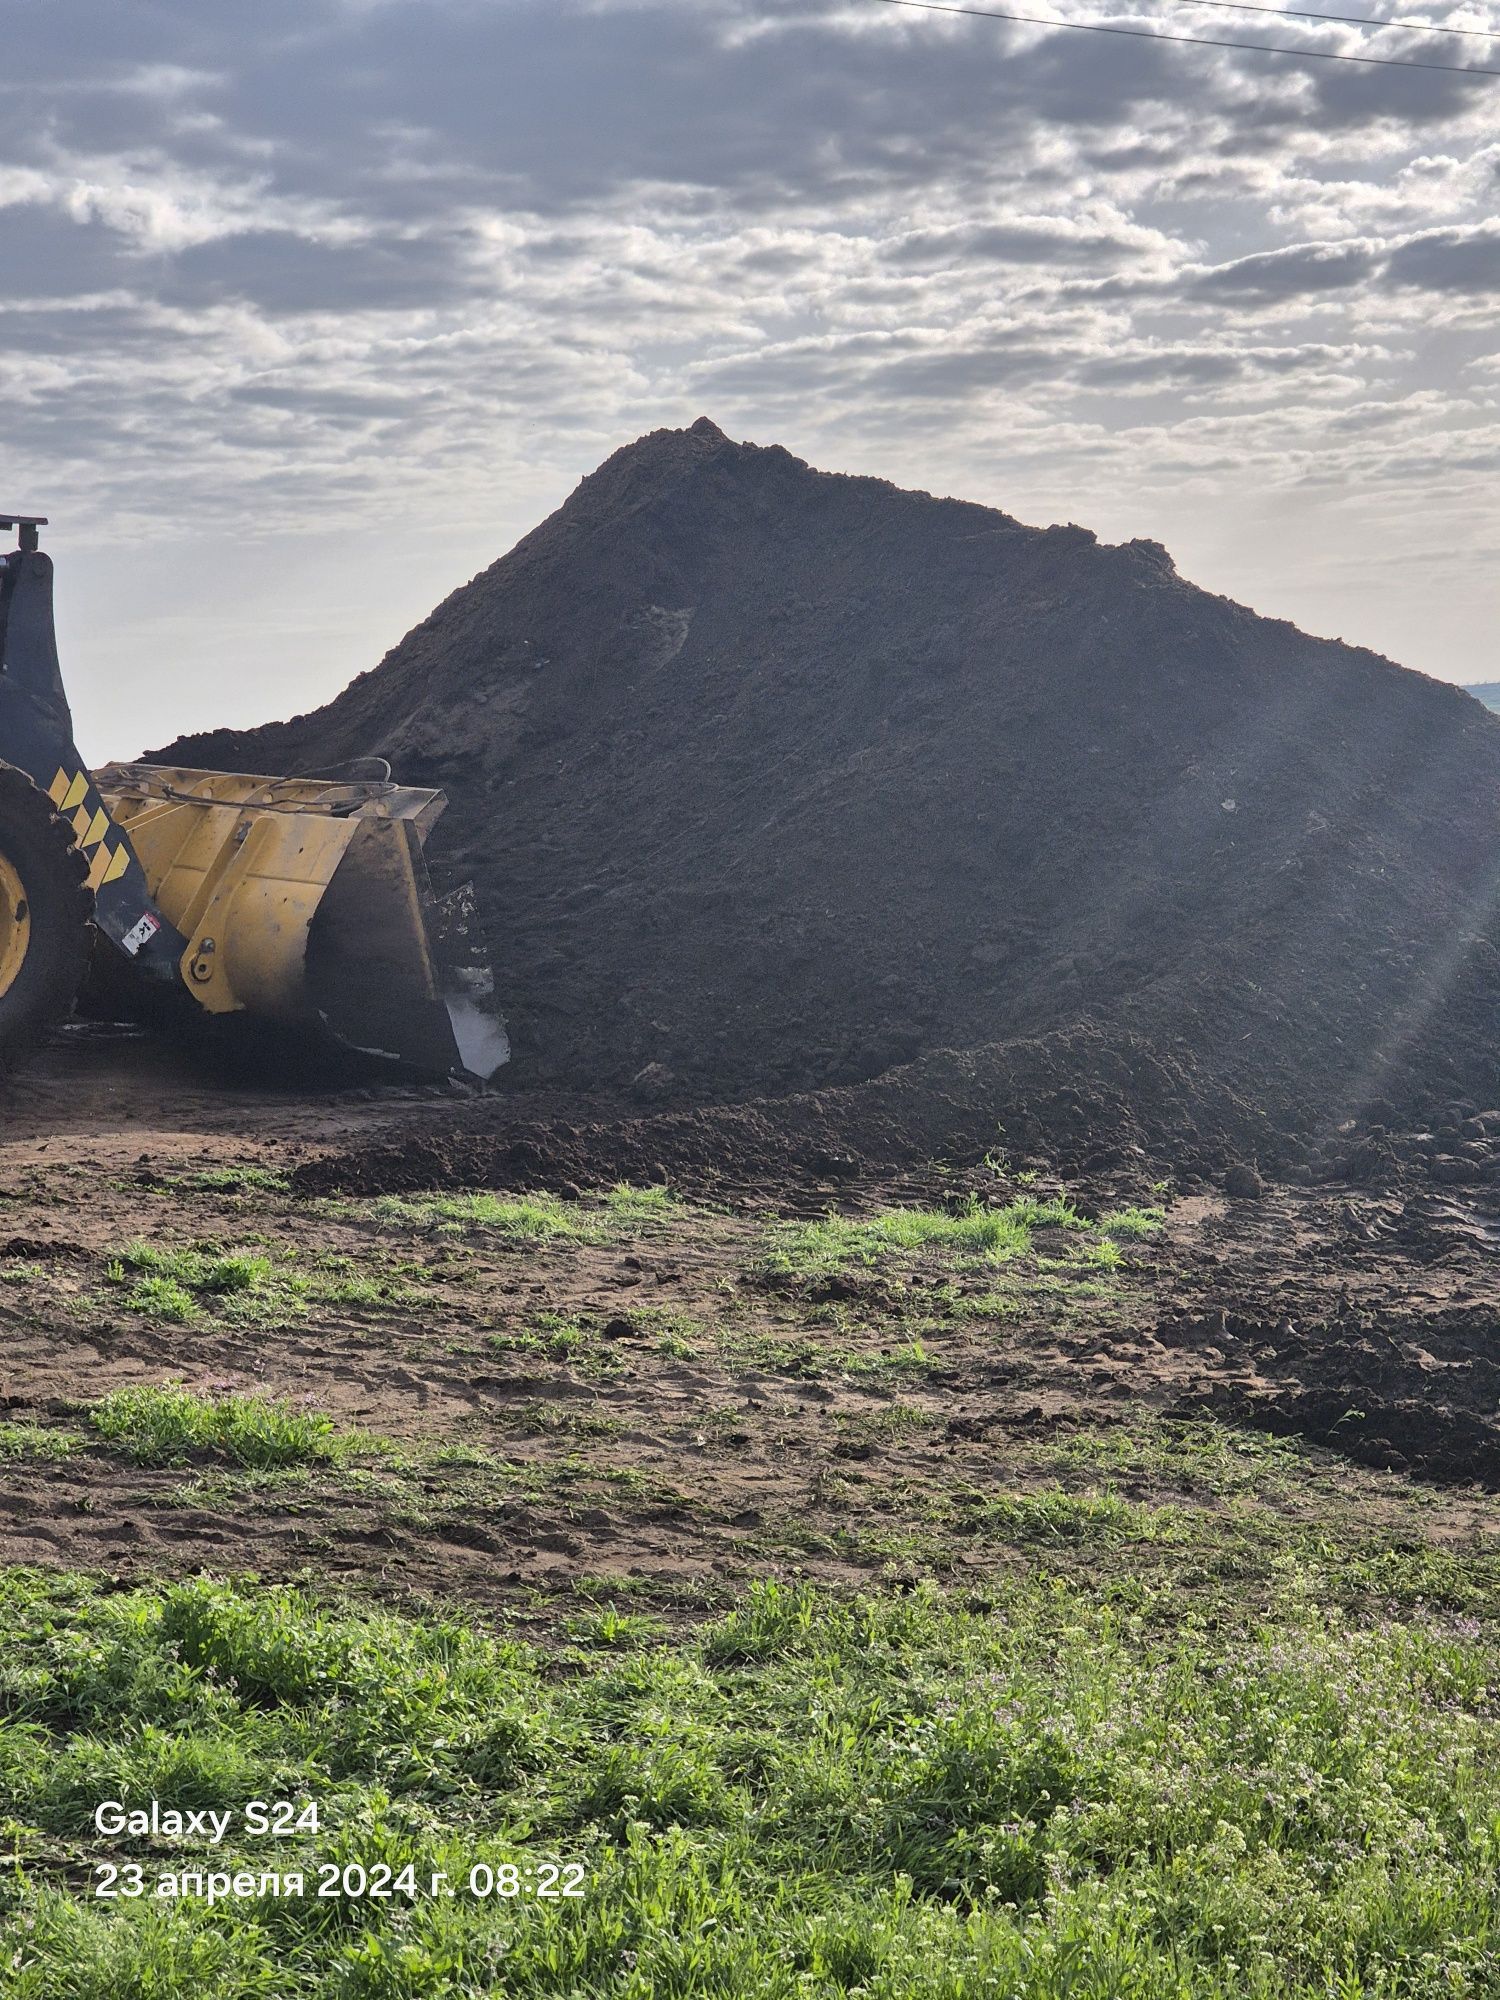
(35, 1442)
(1104, 1255)
(169, 1424)
(996, 1301)
(1132, 1222)
(633, 1206)
(539, 1419)
(622, 1210)
(529, 1218)
(619, 1631)
(1197, 1457)
(1053, 1514)
(895, 1424)
(157, 1298)
(1198, 1715)
(907, 1363)
(973, 1232)
(549, 1336)
(244, 1179)
(181, 1283)
(744, 1351)
(175, 1283)
(676, 1347)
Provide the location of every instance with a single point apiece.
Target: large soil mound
(773, 779)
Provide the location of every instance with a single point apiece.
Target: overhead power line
(1200, 41)
(1349, 20)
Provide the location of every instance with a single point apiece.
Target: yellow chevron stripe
(98, 827)
(98, 865)
(74, 794)
(119, 863)
(58, 789)
(81, 822)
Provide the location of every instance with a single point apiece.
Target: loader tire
(46, 912)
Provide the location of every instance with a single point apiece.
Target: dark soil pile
(1077, 1098)
(774, 780)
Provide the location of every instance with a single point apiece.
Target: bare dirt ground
(668, 1391)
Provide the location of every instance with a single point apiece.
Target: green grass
(675, 1347)
(175, 1283)
(539, 1419)
(245, 1179)
(34, 1442)
(1197, 1456)
(550, 1336)
(1053, 1514)
(568, 1340)
(632, 1206)
(535, 1218)
(157, 1298)
(182, 1283)
(900, 1797)
(610, 1627)
(167, 1425)
(895, 1424)
(1132, 1222)
(530, 1217)
(992, 1235)
(907, 1363)
(1102, 1256)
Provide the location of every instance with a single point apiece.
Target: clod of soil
(776, 781)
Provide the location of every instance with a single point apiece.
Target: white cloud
(273, 268)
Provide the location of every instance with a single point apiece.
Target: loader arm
(36, 736)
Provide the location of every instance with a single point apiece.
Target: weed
(33, 1441)
(894, 1424)
(165, 1425)
(1132, 1221)
(635, 1205)
(552, 1336)
(246, 1288)
(1104, 1255)
(539, 1419)
(619, 1631)
(158, 1298)
(675, 1348)
(907, 1363)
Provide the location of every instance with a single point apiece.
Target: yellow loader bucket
(307, 902)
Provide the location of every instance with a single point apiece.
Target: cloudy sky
(313, 306)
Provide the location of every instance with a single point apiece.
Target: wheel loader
(303, 905)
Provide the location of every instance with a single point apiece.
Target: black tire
(40, 981)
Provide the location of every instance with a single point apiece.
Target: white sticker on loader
(139, 934)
